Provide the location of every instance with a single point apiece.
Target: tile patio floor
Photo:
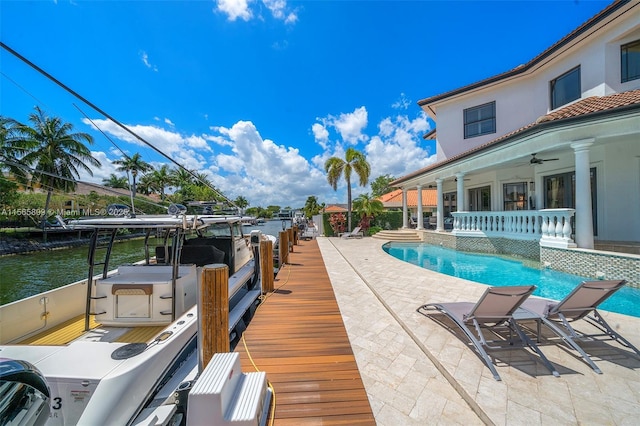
(416, 372)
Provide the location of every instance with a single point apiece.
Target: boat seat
(132, 289)
(224, 244)
(199, 255)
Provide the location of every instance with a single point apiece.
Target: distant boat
(122, 347)
(249, 221)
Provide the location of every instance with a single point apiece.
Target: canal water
(24, 275)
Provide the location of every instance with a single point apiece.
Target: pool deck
(417, 372)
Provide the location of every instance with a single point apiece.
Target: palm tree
(367, 207)
(114, 181)
(12, 148)
(55, 154)
(311, 206)
(241, 202)
(135, 165)
(161, 178)
(354, 161)
(182, 177)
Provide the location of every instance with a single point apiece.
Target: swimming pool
(496, 271)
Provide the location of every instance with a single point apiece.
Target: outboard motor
(25, 394)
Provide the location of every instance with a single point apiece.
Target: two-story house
(544, 159)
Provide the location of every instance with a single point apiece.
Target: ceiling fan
(535, 160)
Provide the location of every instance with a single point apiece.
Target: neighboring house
(335, 208)
(394, 201)
(550, 150)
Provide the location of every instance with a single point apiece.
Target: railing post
(213, 312)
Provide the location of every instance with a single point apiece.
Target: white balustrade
(551, 226)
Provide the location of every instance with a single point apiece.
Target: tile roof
(334, 209)
(583, 108)
(394, 198)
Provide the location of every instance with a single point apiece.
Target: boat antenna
(99, 110)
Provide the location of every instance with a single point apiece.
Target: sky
(258, 94)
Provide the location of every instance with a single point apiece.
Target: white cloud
(397, 149)
(234, 9)
(145, 60)
(402, 103)
(350, 125)
(99, 173)
(321, 134)
(242, 9)
(262, 171)
(169, 122)
(279, 11)
(241, 162)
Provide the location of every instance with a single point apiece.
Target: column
(405, 216)
(460, 194)
(584, 214)
(440, 206)
(419, 214)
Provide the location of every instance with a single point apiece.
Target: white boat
(121, 348)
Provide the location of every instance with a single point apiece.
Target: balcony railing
(552, 227)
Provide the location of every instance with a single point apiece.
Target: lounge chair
(356, 233)
(579, 304)
(494, 310)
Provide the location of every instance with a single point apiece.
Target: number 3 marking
(57, 403)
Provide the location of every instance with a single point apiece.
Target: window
(630, 61)
(565, 88)
(559, 192)
(480, 199)
(515, 196)
(449, 203)
(480, 120)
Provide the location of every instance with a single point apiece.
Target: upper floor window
(565, 88)
(630, 61)
(480, 120)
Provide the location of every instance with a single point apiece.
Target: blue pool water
(496, 271)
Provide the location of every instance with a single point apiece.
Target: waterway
(27, 274)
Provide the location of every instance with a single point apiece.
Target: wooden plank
(298, 338)
(62, 333)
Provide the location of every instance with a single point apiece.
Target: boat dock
(298, 338)
(414, 370)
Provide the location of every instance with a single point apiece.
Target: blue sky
(260, 93)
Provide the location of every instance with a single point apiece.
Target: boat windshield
(218, 230)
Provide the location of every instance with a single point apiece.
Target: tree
(55, 154)
(380, 185)
(241, 202)
(354, 161)
(114, 181)
(368, 208)
(133, 165)
(311, 206)
(13, 148)
(182, 177)
(160, 179)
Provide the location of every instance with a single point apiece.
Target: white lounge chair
(580, 304)
(494, 310)
(356, 233)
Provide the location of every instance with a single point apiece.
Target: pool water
(497, 271)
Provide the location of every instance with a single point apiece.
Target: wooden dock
(298, 338)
